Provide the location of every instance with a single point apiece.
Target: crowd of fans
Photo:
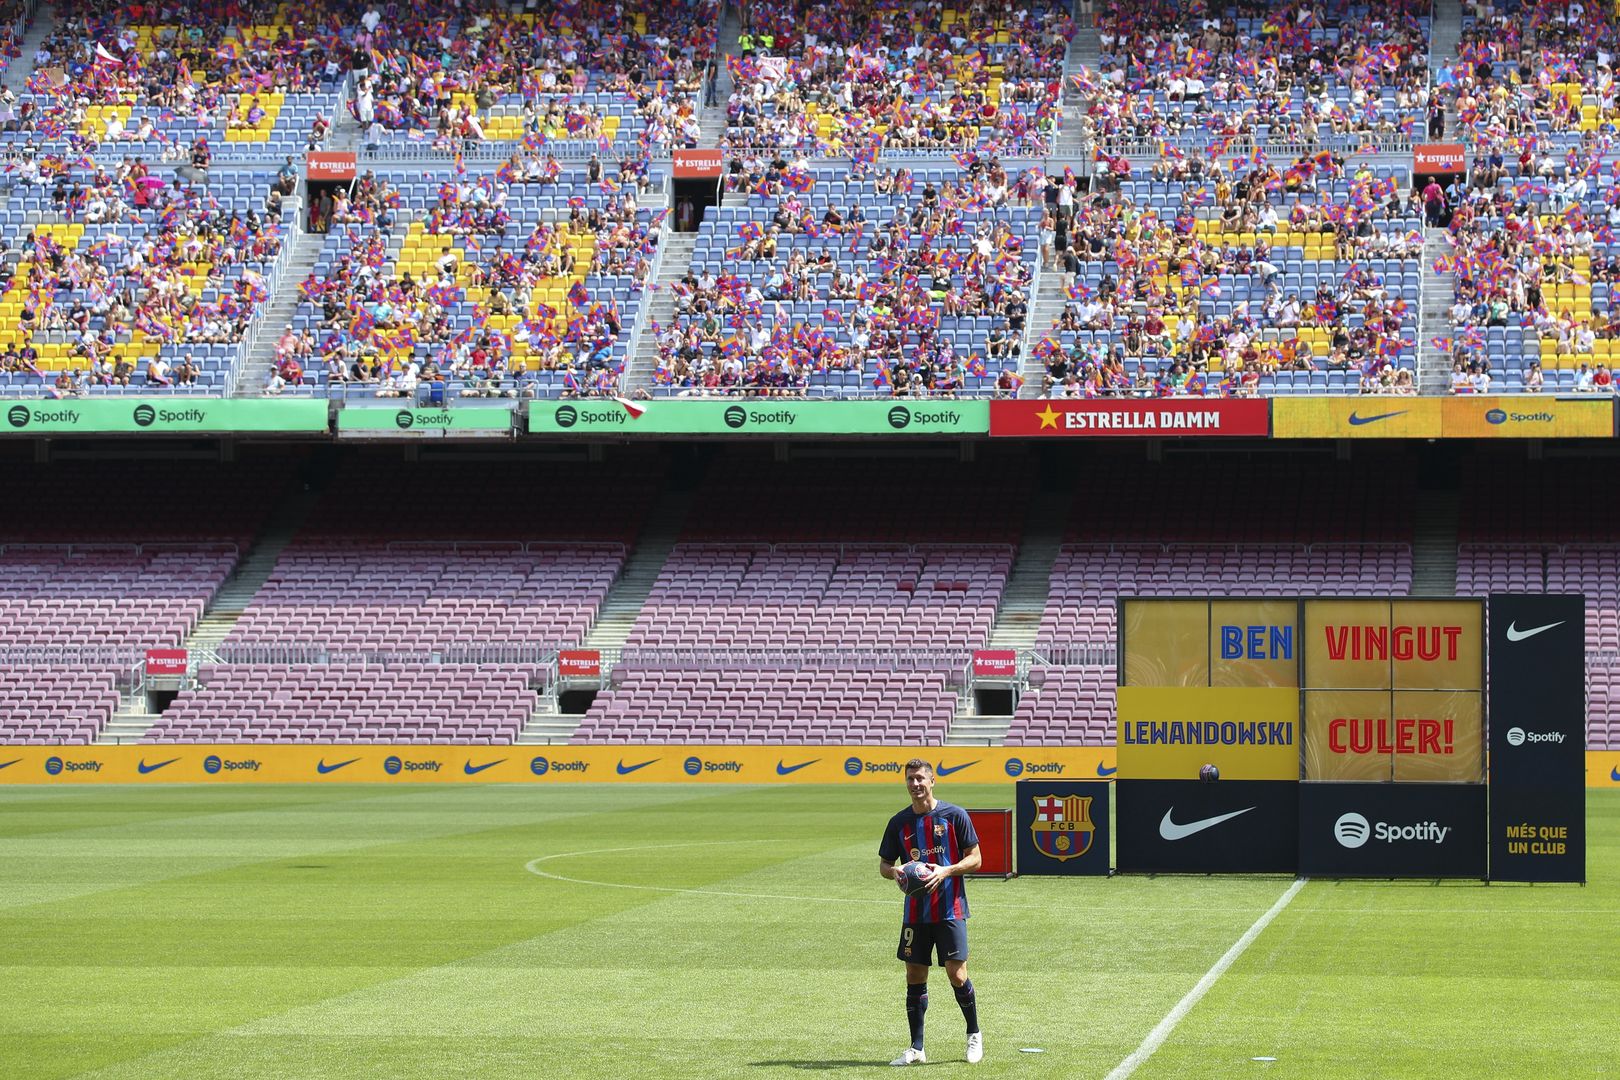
(477, 316)
(850, 78)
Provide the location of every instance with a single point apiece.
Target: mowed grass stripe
(129, 926)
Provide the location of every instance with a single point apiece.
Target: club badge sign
(1062, 827)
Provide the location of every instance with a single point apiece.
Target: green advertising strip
(165, 416)
(423, 421)
(766, 417)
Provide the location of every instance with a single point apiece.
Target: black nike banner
(1537, 737)
(1062, 827)
(1199, 827)
(1392, 830)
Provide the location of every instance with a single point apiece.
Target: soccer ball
(1209, 773)
(912, 878)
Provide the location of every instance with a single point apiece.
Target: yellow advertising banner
(1170, 732)
(1356, 418)
(1166, 642)
(1527, 416)
(1428, 736)
(1254, 643)
(1603, 768)
(158, 763)
(1402, 644)
(1347, 644)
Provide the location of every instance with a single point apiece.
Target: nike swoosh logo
(1103, 770)
(946, 770)
(473, 770)
(9, 764)
(1515, 634)
(1357, 421)
(143, 768)
(322, 767)
(1171, 831)
(624, 769)
(783, 770)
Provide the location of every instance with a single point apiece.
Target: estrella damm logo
(1063, 828)
(404, 419)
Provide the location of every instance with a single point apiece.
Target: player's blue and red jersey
(940, 836)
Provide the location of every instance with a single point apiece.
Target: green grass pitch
(713, 931)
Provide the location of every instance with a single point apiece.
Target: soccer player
(941, 836)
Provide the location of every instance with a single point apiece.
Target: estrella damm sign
(1062, 828)
(1170, 732)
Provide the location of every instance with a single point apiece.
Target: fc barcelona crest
(1062, 827)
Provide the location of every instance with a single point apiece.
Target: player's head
(919, 779)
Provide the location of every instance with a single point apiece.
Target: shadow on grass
(814, 1065)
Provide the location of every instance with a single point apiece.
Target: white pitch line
(1159, 1034)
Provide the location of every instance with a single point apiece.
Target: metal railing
(648, 295)
(258, 326)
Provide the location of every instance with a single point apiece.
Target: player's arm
(886, 868)
(969, 862)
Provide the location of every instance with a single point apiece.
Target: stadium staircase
(131, 721)
(1023, 602)
(1434, 544)
(1445, 30)
(306, 251)
(42, 26)
(1085, 50)
(1045, 307)
(1434, 320)
(712, 119)
(619, 610)
(677, 258)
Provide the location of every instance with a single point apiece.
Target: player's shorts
(919, 941)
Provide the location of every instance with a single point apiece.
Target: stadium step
(306, 250)
(1023, 601)
(625, 599)
(1045, 308)
(1434, 544)
(677, 259)
(1434, 315)
(251, 573)
(978, 730)
(42, 27)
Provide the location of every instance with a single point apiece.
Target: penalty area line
(1159, 1034)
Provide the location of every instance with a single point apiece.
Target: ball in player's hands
(914, 877)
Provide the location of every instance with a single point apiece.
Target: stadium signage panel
(579, 664)
(161, 416)
(424, 423)
(1603, 768)
(1392, 830)
(1394, 645)
(330, 165)
(995, 663)
(1129, 418)
(1406, 735)
(765, 417)
(1527, 416)
(1224, 827)
(1062, 827)
(1538, 737)
(1356, 418)
(698, 164)
(666, 764)
(166, 663)
(1171, 732)
(1430, 158)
